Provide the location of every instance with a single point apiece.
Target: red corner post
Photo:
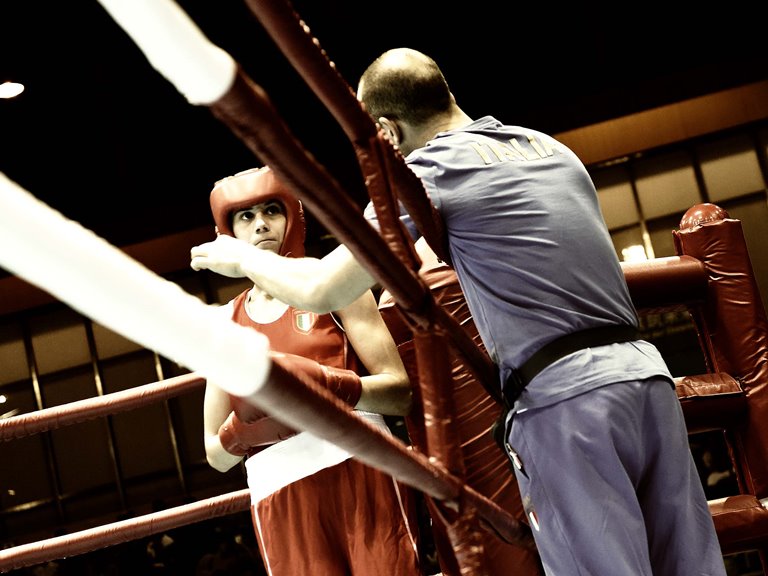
(733, 328)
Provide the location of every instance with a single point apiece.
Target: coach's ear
(391, 130)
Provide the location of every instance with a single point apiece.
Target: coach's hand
(223, 256)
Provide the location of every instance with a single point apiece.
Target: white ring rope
(175, 47)
(96, 278)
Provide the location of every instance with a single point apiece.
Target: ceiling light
(10, 89)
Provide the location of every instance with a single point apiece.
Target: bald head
(406, 85)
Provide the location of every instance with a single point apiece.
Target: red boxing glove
(345, 384)
(240, 438)
(246, 412)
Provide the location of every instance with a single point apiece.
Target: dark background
(105, 139)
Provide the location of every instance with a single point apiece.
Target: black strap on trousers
(560, 347)
(551, 352)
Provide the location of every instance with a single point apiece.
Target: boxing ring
(101, 282)
(177, 325)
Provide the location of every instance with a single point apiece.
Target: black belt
(552, 351)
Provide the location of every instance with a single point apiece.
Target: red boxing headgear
(251, 187)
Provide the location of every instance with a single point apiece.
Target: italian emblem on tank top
(303, 320)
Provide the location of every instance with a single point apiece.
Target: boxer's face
(262, 225)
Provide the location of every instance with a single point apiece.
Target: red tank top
(314, 336)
